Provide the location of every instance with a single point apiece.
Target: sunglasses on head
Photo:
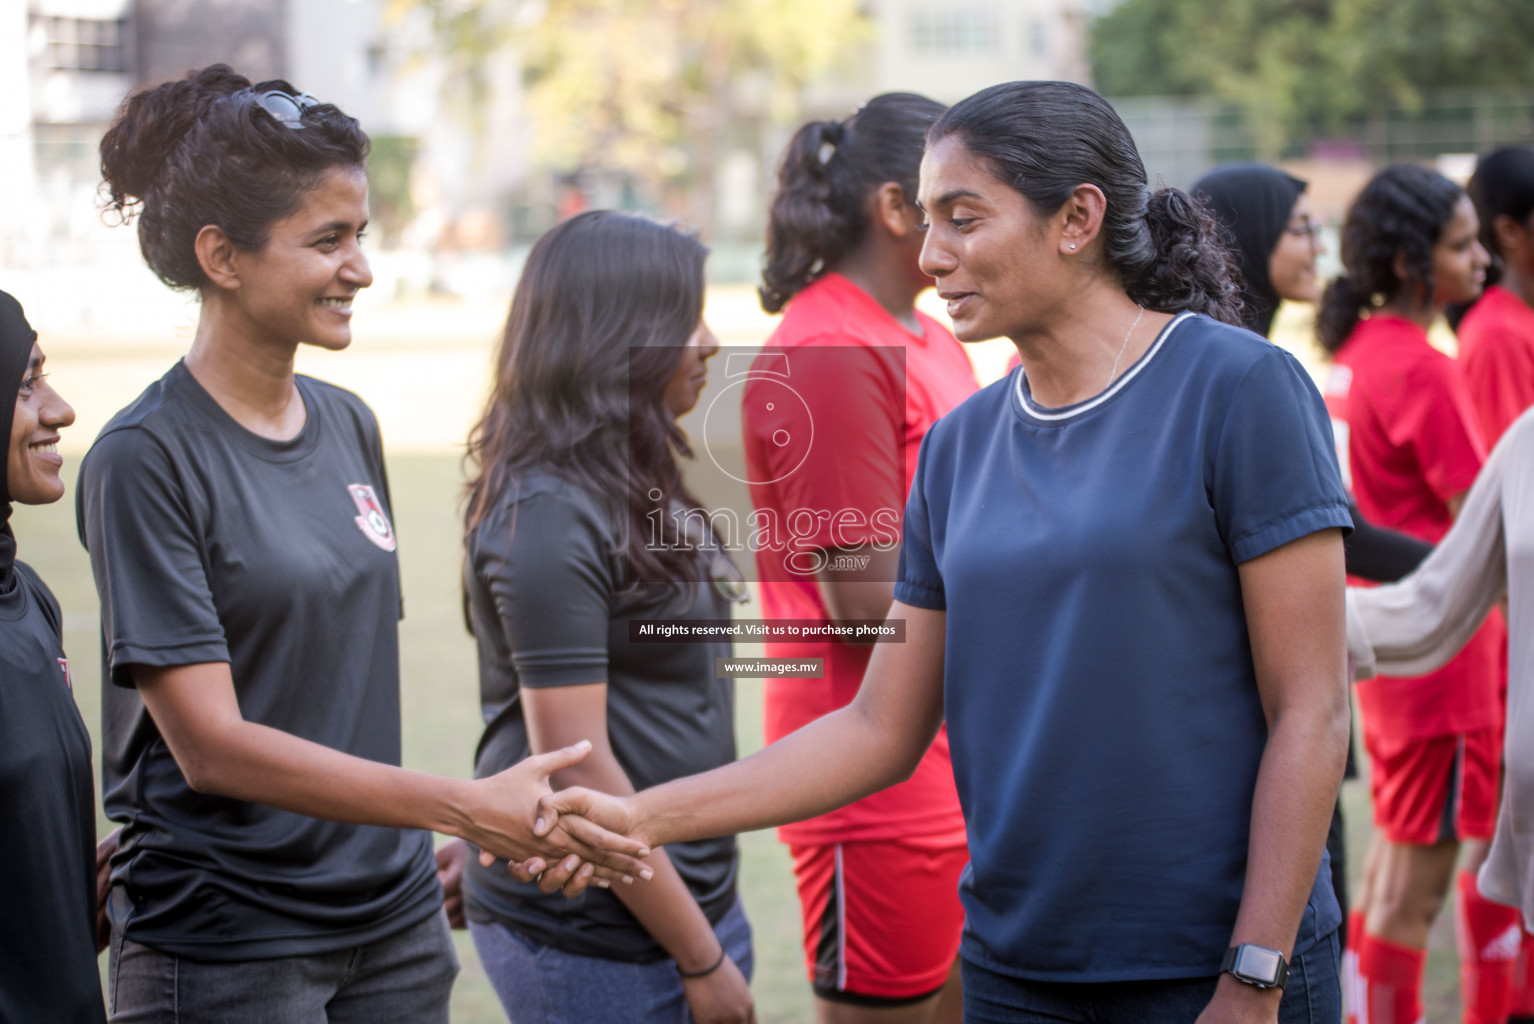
(284, 107)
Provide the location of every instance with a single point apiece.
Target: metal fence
(1182, 137)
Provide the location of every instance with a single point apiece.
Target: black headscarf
(16, 338)
(1252, 203)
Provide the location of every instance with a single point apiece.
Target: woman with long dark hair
(1496, 335)
(578, 526)
(1121, 583)
(238, 521)
(878, 880)
(47, 807)
(1411, 447)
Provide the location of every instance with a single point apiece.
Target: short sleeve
(853, 414)
(138, 525)
(919, 583)
(1500, 374)
(545, 562)
(1274, 476)
(375, 453)
(1440, 426)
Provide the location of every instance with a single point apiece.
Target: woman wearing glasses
(237, 518)
(578, 529)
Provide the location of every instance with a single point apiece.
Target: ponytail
(1190, 267)
(807, 230)
(1400, 213)
(819, 213)
(1343, 305)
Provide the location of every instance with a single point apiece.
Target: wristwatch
(1258, 966)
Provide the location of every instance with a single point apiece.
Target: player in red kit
(834, 412)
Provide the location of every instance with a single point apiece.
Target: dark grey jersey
(210, 543)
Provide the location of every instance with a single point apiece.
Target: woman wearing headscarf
(47, 808)
(1272, 232)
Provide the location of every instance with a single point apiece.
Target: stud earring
(1073, 245)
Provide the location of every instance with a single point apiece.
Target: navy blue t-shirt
(1101, 701)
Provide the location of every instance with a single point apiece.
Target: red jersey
(1408, 440)
(834, 472)
(1496, 352)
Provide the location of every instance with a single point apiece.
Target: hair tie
(831, 134)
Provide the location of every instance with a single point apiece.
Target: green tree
(1298, 66)
(646, 88)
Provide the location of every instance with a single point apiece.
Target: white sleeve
(1414, 626)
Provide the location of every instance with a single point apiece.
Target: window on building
(84, 44)
(955, 31)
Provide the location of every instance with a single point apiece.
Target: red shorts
(882, 919)
(1430, 789)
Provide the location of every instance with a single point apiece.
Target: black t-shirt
(210, 543)
(47, 821)
(547, 607)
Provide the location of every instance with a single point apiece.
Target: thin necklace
(1115, 371)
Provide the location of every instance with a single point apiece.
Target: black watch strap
(1256, 965)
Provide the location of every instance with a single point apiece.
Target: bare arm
(1293, 599)
(863, 592)
(220, 753)
(873, 742)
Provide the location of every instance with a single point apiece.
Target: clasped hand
(557, 854)
(582, 832)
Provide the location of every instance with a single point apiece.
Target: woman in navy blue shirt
(1121, 584)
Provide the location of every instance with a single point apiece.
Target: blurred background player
(878, 879)
(1411, 446)
(1270, 228)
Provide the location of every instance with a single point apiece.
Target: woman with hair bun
(1496, 335)
(1410, 447)
(273, 862)
(878, 879)
(1122, 586)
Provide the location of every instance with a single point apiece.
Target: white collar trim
(1051, 416)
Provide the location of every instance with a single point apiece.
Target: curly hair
(202, 150)
(818, 213)
(1401, 212)
(1046, 138)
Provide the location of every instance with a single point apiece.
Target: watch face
(1258, 963)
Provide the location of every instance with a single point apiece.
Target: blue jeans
(1313, 995)
(539, 984)
(405, 977)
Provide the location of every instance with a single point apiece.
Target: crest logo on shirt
(370, 516)
(68, 683)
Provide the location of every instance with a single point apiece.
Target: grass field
(423, 372)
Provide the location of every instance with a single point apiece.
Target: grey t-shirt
(547, 607)
(210, 543)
